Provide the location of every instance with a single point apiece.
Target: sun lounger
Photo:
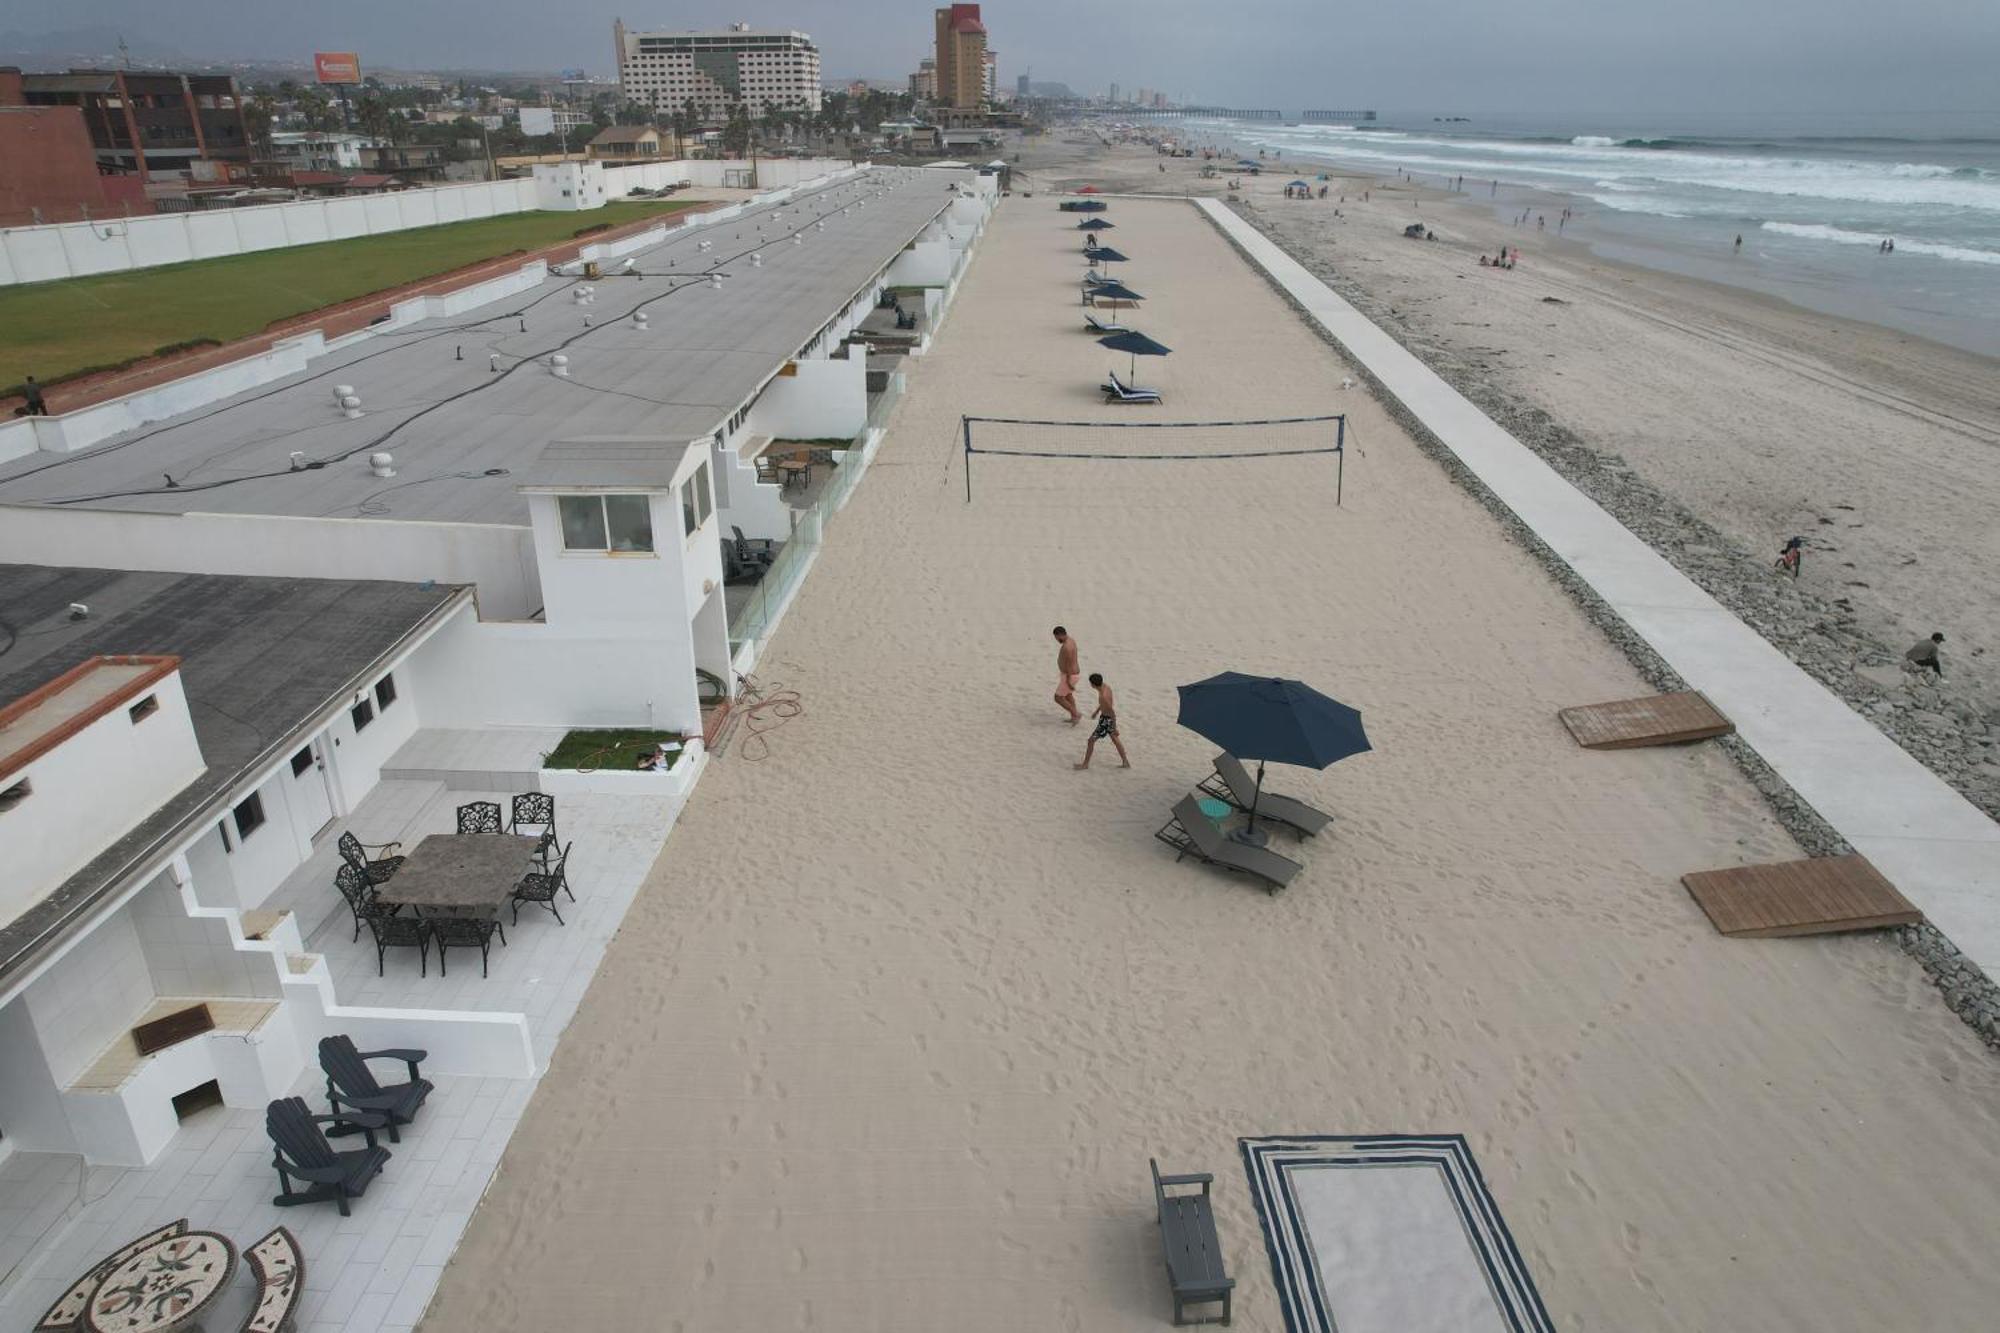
(1232, 783)
(1192, 833)
(1117, 391)
(1194, 1255)
(1096, 325)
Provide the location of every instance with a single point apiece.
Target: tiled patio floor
(372, 1271)
(377, 1269)
(544, 968)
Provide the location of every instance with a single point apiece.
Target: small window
(689, 520)
(302, 762)
(249, 815)
(582, 522)
(362, 713)
(144, 709)
(14, 795)
(629, 519)
(385, 692)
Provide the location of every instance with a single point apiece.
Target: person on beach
(1066, 675)
(1791, 556)
(1739, 242)
(1106, 714)
(32, 393)
(1924, 656)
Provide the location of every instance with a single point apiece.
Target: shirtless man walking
(1067, 675)
(1106, 714)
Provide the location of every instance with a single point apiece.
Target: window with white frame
(613, 523)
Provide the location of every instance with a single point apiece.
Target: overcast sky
(1443, 55)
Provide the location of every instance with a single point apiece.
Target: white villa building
(347, 585)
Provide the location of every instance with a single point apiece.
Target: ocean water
(1813, 197)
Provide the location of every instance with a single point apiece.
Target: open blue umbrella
(1106, 254)
(1138, 344)
(1271, 720)
(1095, 224)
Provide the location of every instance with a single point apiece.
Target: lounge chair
(1117, 391)
(1192, 833)
(280, 1269)
(350, 1083)
(66, 1315)
(1194, 1255)
(1096, 325)
(1232, 783)
(300, 1150)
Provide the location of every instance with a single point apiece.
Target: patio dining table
(461, 870)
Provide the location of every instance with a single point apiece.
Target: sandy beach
(1714, 421)
(905, 1006)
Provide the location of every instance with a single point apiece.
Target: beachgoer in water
(1106, 714)
(1739, 242)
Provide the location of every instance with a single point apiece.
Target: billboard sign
(337, 66)
(576, 76)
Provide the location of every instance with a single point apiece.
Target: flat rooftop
(460, 433)
(259, 660)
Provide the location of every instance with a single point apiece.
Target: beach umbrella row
(1136, 343)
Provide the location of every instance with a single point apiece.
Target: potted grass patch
(621, 759)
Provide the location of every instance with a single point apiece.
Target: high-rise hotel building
(717, 70)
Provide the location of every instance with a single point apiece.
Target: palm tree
(260, 113)
(372, 117)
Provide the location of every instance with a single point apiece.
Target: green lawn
(54, 330)
(614, 749)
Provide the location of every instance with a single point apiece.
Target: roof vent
(756, 259)
(351, 406)
(341, 391)
(560, 364)
(715, 281)
(640, 318)
(382, 464)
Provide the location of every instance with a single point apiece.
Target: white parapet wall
(78, 249)
(498, 559)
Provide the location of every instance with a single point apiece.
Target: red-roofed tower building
(961, 58)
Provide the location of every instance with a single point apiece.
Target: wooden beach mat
(1817, 896)
(1657, 719)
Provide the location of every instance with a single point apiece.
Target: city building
(318, 150)
(540, 120)
(990, 76)
(1021, 93)
(631, 143)
(157, 125)
(961, 57)
(923, 84)
(48, 165)
(717, 71)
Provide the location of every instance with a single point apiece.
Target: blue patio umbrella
(1271, 720)
(1095, 224)
(1138, 344)
(1106, 254)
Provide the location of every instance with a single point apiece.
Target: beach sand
(1763, 419)
(907, 1003)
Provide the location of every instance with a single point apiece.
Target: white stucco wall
(31, 1113)
(825, 399)
(93, 788)
(90, 997)
(498, 559)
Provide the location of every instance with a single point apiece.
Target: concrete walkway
(1937, 847)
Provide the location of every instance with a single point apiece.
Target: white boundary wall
(77, 249)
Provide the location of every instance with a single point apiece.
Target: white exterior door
(312, 791)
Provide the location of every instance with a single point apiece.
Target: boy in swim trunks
(1066, 675)
(1106, 714)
